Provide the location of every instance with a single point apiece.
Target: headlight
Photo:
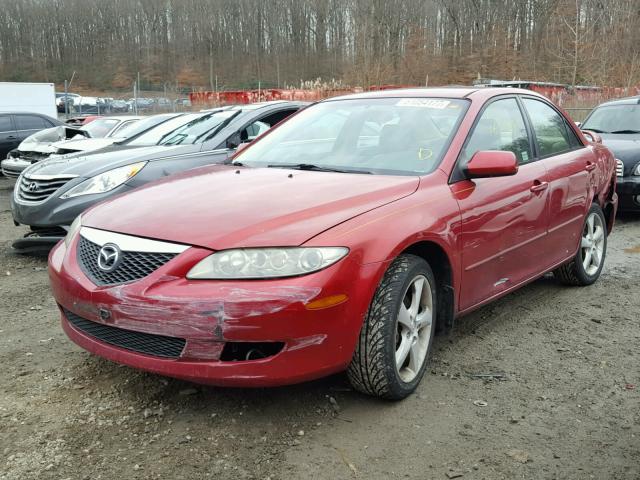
(253, 263)
(636, 171)
(73, 229)
(106, 181)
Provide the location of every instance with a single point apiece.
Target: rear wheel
(586, 266)
(397, 334)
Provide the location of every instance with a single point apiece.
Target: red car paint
(492, 235)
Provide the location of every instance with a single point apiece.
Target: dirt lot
(565, 403)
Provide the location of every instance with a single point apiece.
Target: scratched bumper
(208, 314)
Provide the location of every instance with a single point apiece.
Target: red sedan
(340, 240)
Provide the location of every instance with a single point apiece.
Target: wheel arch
(438, 259)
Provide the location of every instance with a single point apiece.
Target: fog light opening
(247, 351)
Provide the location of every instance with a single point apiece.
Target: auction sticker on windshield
(423, 102)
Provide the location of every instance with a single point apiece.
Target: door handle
(539, 186)
(590, 166)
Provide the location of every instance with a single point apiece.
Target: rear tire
(585, 268)
(396, 337)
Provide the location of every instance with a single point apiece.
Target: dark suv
(15, 127)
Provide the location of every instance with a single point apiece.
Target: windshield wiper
(313, 167)
(626, 131)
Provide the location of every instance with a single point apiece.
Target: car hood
(219, 207)
(42, 141)
(625, 147)
(84, 144)
(113, 156)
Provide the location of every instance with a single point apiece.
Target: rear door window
(29, 122)
(552, 133)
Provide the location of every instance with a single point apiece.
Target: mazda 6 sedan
(340, 240)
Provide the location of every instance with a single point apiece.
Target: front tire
(585, 268)
(396, 337)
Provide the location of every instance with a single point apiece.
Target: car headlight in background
(106, 181)
(636, 171)
(73, 229)
(254, 263)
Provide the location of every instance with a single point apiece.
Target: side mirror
(234, 141)
(492, 163)
(593, 137)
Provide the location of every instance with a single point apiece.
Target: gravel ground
(556, 396)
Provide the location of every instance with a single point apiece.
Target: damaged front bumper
(292, 333)
(12, 167)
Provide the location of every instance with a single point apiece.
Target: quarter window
(500, 127)
(551, 130)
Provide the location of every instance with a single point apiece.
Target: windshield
(198, 130)
(614, 118)
(100, 127)
(153, 136)
(184, 130)
(135, 128)
(396, 136)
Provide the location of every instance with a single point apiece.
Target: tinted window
(5, 123)
(29, 122)
(500, 127)
(550, 129)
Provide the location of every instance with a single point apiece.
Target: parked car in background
(50, 194)
(182, 102)
(55, 141)
(16, 126)
(119, 106)
(318, 251)
(618, 124)
(65, 98)
(79, 120)
(117, 135)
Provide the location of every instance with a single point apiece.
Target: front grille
(619, 168)
(38, 190)
(11, 172)
(133, 266)
(147, 343)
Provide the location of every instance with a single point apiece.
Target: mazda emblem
(109, 257)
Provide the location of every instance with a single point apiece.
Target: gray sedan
(50, 194)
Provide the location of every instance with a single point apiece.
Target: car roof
(455, 91)
(622, 101)
(122, 118)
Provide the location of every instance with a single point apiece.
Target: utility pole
(66, 103)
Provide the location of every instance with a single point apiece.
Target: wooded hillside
(281, 42)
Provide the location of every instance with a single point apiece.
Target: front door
(504, 219)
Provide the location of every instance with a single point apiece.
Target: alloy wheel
(413, 328)
(592, 244)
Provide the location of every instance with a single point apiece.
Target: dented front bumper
(318, 337)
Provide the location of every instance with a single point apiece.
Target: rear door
(27, 125)
(504, 219)
(8, 135)
(570, 167)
